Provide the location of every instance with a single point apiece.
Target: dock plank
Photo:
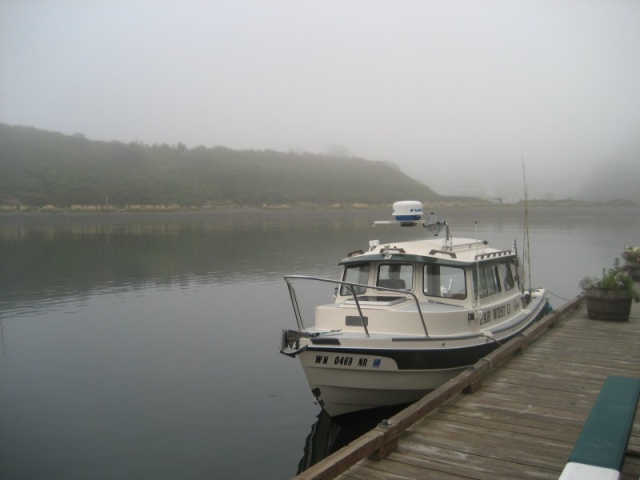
(526, 415)
(467, 465)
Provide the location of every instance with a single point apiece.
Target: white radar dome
(407, 212)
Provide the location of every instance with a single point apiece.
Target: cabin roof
(457, 251)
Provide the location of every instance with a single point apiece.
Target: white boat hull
(358, 374)
(351, 391)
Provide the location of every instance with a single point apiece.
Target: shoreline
(162, 208)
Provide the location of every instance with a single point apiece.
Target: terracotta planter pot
(633, 269)
(610, 305)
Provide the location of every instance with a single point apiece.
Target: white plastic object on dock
(579, 471)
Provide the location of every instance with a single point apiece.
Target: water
(144, 346)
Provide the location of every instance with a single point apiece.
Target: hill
(39, 168)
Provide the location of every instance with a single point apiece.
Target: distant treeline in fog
(39, 168)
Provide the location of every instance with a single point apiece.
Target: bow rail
(351, 286)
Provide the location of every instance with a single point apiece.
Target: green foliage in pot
(631, 254)
(612, 279)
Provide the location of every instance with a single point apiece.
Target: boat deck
(522, 419)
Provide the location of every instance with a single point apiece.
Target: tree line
(39, 167)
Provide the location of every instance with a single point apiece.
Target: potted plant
(631, 256)
(609, 297)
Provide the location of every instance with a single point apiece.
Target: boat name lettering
(501, 311)
(498, 312)
(486, 317)
(516, 305)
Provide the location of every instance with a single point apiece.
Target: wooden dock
(515, 414)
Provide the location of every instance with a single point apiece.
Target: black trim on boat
(439, 359)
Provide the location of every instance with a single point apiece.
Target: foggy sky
(456, 93)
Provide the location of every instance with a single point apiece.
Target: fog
(456, 93)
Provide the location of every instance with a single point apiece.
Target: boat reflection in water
(328, 435)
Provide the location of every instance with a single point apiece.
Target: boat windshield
(506, 276)
(493, 279)
(395, 275)
(355, 274)
(444, 281)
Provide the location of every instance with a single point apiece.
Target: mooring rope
(558, 296)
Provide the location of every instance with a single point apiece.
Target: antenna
(527, 252)
(478, 312)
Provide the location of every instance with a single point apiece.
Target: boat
(408, 316)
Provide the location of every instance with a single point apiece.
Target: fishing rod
(527, 252)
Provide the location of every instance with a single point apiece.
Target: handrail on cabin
(351, 286)
(501, 253)
(389, 250)
(451, 254)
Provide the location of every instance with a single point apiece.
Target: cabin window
(445, 281)
(355, 274)
(506, 276)
(489, 280)
(395, 275)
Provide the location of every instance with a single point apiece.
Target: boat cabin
(450, 276)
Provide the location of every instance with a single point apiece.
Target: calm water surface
(144, 346)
